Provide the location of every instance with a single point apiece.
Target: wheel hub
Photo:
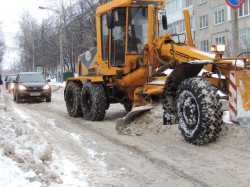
(190, 111)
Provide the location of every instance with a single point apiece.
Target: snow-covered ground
(27, 157)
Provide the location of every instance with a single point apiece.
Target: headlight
(46, 87)
(218, 48)
(11, 85)
(21, 87)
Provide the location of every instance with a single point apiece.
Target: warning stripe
(232, 97)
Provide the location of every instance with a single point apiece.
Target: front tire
(73, 99)
(93, 101)
(199, 111)
(48, 99)
(14, 95)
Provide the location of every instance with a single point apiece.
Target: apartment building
(214, 25)
(211, 22)
(174, 11)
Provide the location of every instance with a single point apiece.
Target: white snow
(26, 157)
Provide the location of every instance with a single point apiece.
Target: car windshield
(12, 78)
(31, 78)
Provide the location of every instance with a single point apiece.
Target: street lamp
(60, 38)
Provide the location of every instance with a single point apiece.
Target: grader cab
(128, 67)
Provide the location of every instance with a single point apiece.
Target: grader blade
(122, 123)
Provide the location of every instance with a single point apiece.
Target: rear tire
(73, 99)
(199, 111)
(93, 101)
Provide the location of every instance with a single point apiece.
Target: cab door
(118, 38)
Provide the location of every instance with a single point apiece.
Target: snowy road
(92, 154)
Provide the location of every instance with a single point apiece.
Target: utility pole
(235, 32)
(61, 49)
(33, 56)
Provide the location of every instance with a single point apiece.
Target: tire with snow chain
(93, 100)
(73, 99)
(199, 111)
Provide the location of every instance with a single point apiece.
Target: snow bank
(22, 143)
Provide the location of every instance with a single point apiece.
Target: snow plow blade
(122, 123)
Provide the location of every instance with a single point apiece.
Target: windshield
(12, 77)
(31, 78)
(137, 29)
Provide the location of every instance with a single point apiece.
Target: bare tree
(2, 47)
(40, 43)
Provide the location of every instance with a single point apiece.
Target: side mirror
(110, 21)
(164, 22)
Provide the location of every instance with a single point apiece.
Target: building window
(179, 26)
(244, 10)
(204, 45)
(219, 17)
(203, 21)
(202, 1)
(220, 40)
(173, 7)
(244, 38)
(187, 3)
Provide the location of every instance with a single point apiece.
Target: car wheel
(14, 96)
(17, 99)
(48, 99)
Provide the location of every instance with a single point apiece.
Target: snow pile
(11, 175)
(21, 142)
(151, 124)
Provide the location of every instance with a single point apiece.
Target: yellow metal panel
(243, 88)
(86, 78)
(188, 27)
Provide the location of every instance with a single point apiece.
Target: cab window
(118, 38)
(137, 29)
(105, 40)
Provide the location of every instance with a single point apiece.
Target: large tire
(93, 101)
(73, 99)
(199, 111)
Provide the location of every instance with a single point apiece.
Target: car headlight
(11, 85)
(21, 87)
(46, 87)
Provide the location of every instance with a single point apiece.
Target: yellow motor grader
(129, 65)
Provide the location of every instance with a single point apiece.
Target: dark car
(8, 80)
(31, 85)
